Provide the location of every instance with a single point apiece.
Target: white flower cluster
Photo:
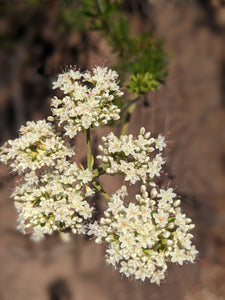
(143, 237)
(55, 201)
(89, 99)
(37, 146)
(53, 194)
(130, 156)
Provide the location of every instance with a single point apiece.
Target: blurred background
(38, 39)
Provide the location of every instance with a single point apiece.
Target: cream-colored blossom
(89, 99)
(37, 146)
(131, 156)
(53, 204)
(142, 236)
(139, 237)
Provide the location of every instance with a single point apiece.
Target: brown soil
(191, 108)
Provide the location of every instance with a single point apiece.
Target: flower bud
(98, 241)
(143, 189)
(169, 243)
(109, 229)
(166, 234)
(142, 131)
(154, 193)
(108, 221)
(105, 159)
(110, 238)
(144, 258)
(176, 203)
(191, 226)
(116, 217)
(138, 197)
(51, 119)
(107, 214)
(147, 135)
(147, 159)
(124, 188)
(145, 195)
(171, 210)
(171, 225)
(100, 147)
(102, 221)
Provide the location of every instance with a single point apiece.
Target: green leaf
(142, 83)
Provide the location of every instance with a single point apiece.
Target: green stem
(127, 119)
(100, 170)
(88, 136)
(97, 172)
(129, 103)
(100, 189)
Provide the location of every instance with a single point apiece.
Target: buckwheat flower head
(143, 237)
(89, 99)
(54, 191)
(55, 201)
(37, 146)
(134, 157)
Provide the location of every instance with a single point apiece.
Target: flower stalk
(88, 140)
(98, 186)
(127, 117)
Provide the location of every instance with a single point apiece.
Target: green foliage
(141, 58)
(72, 16)
(146, 65)
(148, 56)
(142, 83)
(141, 61)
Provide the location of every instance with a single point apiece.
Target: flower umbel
(134, 157)
(53, 194)
(37, 146)
(142, 235)
(89, 99)
(55, 201)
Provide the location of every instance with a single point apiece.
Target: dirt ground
(190, 109)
